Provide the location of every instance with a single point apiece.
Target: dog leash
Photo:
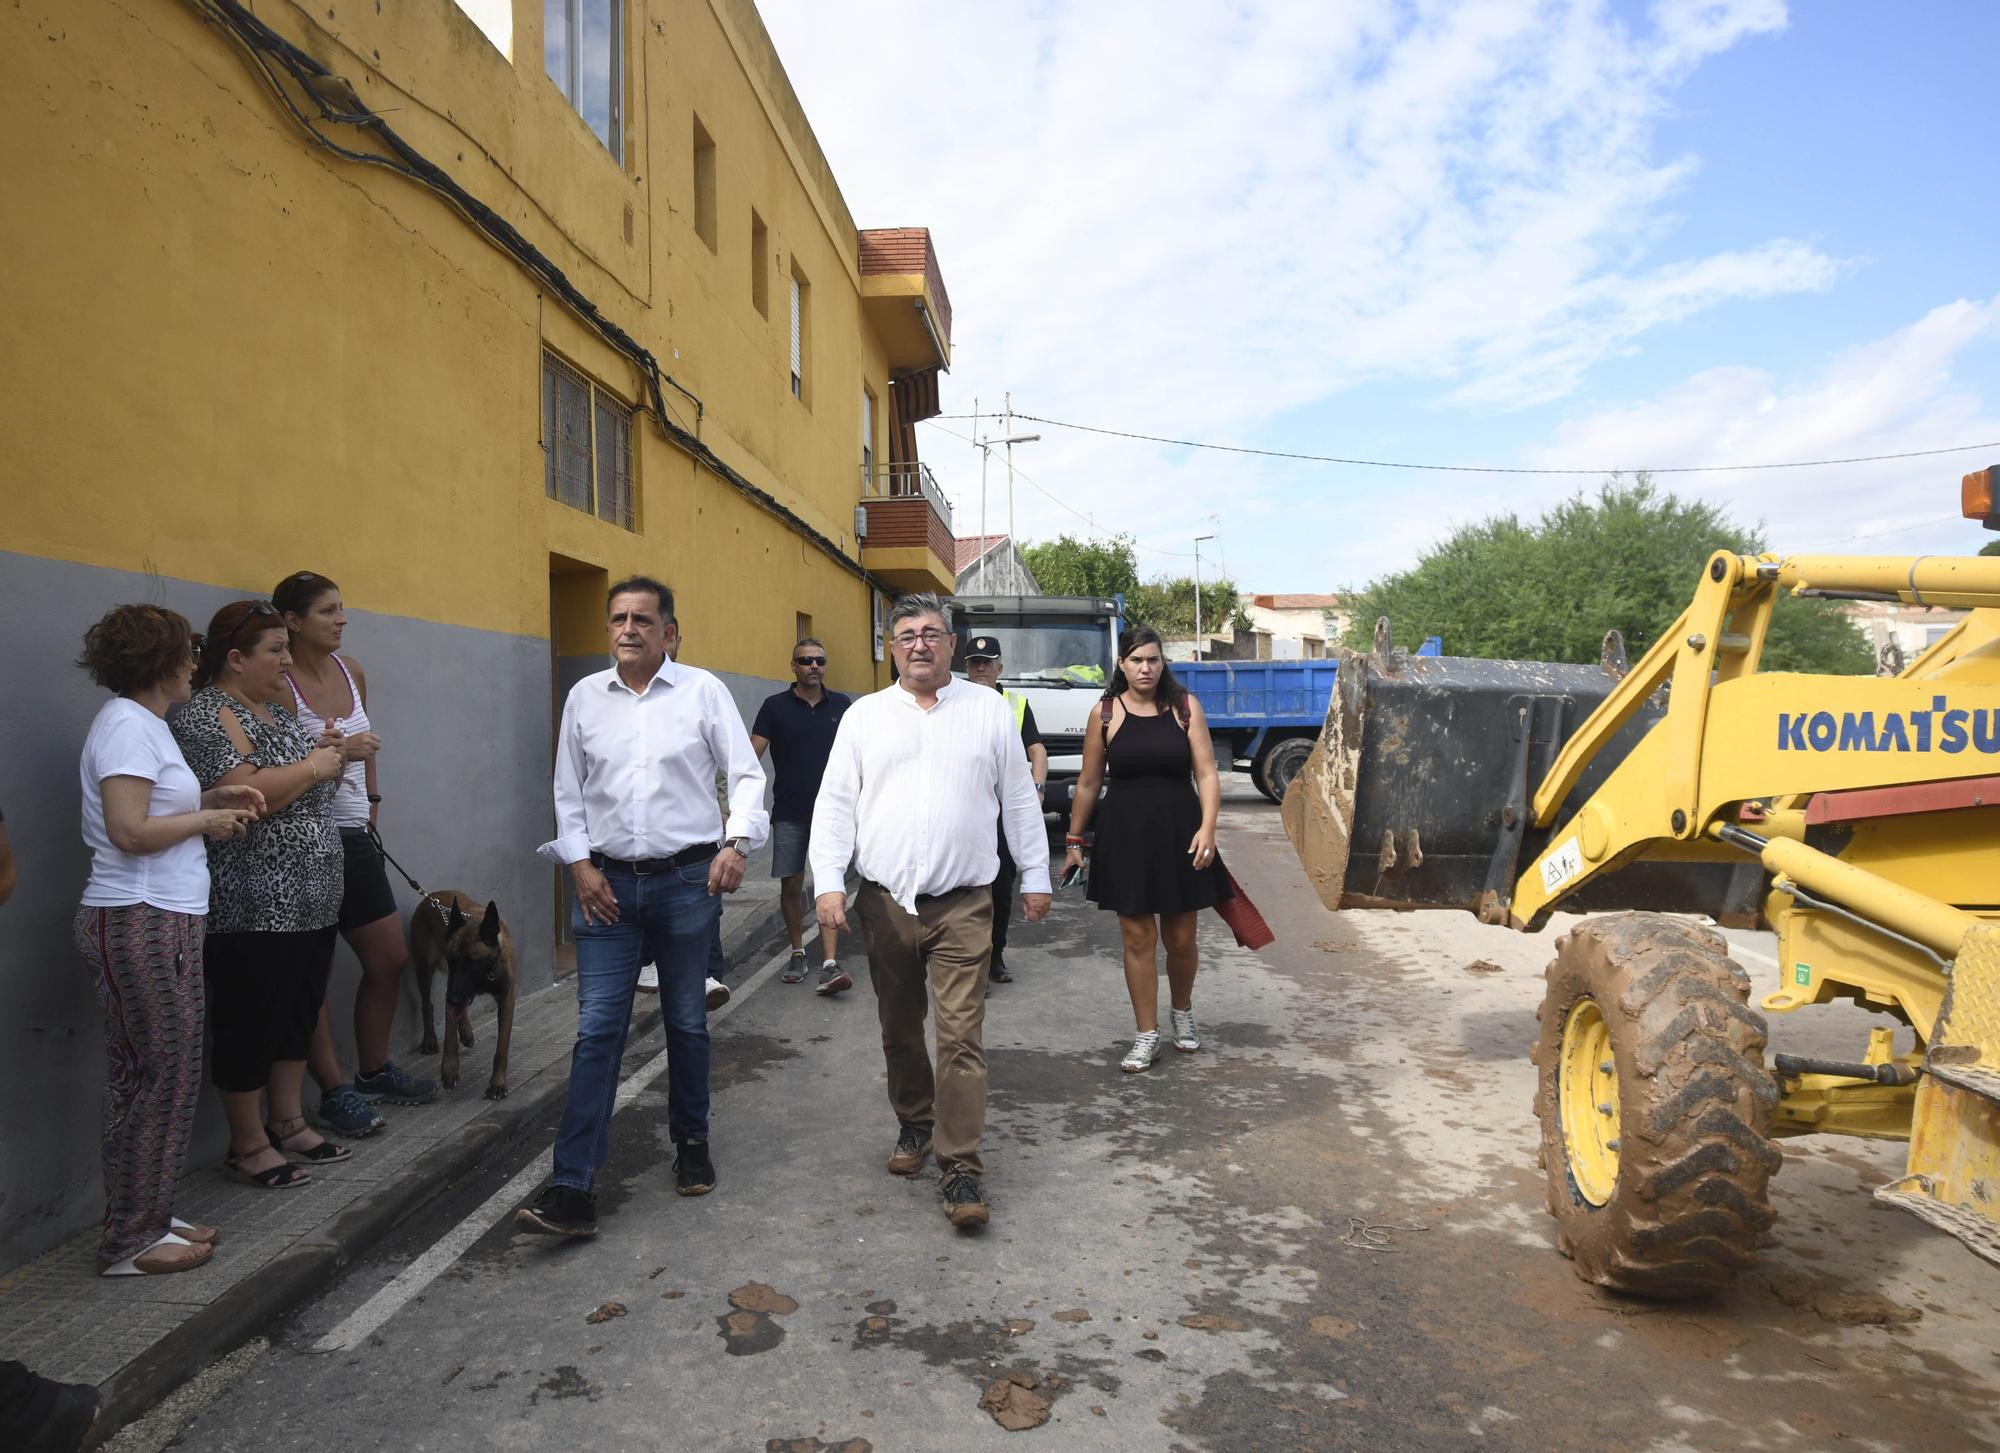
(375, 836)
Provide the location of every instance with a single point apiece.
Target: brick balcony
(909, 542)
(902, 293)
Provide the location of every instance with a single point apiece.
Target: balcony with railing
(908, 542)
(902, 293)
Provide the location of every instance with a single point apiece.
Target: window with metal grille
(583, 51)
(867, 435)
(587, 444)
(801, 290)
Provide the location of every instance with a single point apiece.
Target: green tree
(1167, 605)
(1628, 557)
(1069, 566)
(1991, 547)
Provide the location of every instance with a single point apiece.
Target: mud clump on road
(749, 1329)
(1840, 1305)
(1014, 1403)
(605, 1313)
(1484, 966)
(813, 1445)
(1074, 1314)
(757, 1297)
(1336, 1327)
(1213, 1322)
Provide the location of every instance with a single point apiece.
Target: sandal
(325, 1153)
(194, 1231)
(137, 1264)
(282, 1177)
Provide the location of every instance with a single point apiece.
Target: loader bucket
(1417, 793)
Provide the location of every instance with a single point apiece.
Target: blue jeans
(669, 919)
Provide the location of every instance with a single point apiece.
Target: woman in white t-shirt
(140, 927)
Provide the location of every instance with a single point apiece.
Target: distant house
(1898, 633)
(1291, 627)
(992, 565)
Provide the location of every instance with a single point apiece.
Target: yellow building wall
(227, 346)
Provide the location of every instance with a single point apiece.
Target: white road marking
(363, 1322)
(1757, 954)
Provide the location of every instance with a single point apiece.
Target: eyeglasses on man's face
(931, 636)
(808, 660)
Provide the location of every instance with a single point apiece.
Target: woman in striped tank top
(330, 695)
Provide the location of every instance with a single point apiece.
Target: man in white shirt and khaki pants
(638, 824)
(919, 774)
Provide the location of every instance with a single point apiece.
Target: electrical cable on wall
(337, 102)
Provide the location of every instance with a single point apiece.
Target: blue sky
(1496, 231)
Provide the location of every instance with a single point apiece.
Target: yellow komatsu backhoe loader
(1856, 817)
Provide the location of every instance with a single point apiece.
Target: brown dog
(477, 957)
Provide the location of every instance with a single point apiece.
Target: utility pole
(1197, 593)
(1009, 398)
(983, 452)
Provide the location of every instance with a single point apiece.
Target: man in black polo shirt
(983, 667)
(798, 726)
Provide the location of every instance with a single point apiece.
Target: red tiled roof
(971, 547)
(1296, 602)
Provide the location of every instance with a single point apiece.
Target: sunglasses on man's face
(808, 660)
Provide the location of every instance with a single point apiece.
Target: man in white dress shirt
(919, 775)
(638, 825)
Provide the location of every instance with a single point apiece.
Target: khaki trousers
(937, 958)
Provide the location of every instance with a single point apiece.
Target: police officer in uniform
(982, 668)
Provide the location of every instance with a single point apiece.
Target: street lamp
(1197, 593)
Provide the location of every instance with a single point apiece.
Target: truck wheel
(1258, 775)
(1284, 763)
(1655, 1107)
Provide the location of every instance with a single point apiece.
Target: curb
(317, 1260)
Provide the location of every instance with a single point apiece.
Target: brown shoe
(911, 1148)
(964, 1203)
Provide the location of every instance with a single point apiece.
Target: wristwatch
(741, 845)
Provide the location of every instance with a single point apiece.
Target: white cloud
(1194, 219)
(1898, 393)
(1888, 396)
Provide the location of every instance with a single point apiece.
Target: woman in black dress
(1154, 863)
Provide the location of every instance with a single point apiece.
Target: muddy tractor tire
(1282, 763)
(1655, 1107)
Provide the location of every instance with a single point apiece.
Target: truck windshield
(1061, 652)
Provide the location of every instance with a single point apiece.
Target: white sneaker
(718, 994)
(1186, 1038)
(1145, 1049)
(649, 979)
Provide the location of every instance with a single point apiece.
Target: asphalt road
(1324, 1230)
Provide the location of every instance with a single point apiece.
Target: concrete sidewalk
(139, 1337)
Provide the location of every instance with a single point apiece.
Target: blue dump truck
(1264, 716)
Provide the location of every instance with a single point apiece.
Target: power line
(1480, 468)
(1022, 473)
(1879, 534)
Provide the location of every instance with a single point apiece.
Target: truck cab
(1058, 652)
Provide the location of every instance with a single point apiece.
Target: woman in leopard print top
(274, 894)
